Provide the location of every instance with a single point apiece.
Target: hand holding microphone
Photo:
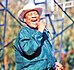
(41, 26)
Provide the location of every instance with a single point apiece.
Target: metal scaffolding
(48, 15)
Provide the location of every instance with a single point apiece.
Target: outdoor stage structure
(48, 17)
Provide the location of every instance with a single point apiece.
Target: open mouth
(34, 20)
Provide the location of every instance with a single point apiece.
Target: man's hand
(59, 66)
(41, 26)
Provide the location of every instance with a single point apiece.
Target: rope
(11, 14)
(1, 51)
(62, 31)
(64, 11)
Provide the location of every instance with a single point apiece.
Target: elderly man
(33, 50)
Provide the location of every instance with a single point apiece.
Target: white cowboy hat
(28, 7)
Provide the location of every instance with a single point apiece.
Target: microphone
(47, 30)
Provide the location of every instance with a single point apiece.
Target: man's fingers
(59, 66)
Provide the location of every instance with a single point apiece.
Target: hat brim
(22, 12)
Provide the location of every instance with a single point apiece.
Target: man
(33, 50)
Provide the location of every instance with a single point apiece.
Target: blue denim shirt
(30, 40)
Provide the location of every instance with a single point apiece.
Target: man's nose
(33, 15)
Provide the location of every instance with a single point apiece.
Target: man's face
(32, 18)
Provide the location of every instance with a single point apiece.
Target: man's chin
(34, 27)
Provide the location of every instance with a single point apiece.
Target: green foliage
(70, 61)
